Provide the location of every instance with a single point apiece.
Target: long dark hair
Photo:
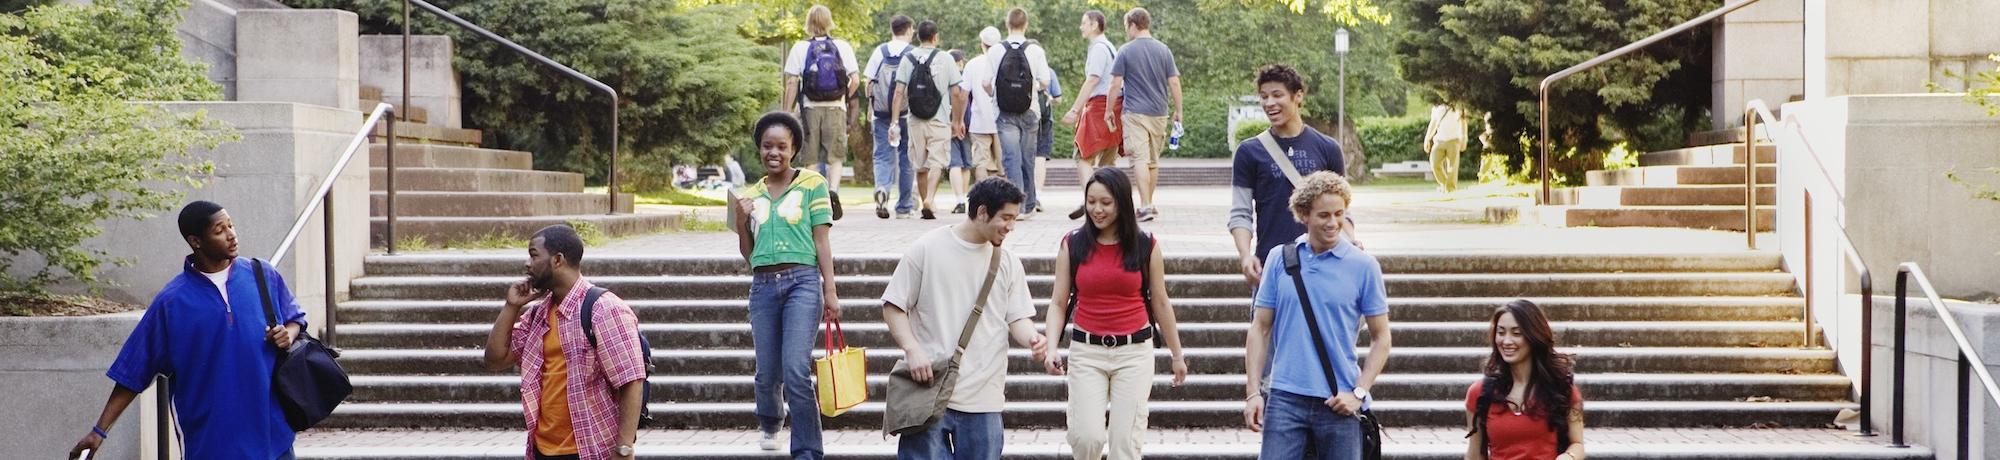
(1126, 224)
(1551, 380)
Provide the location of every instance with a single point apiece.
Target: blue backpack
(825, 75)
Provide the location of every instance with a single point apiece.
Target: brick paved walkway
(322, 443)
(1400, 218)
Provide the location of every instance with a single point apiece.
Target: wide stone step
(1163, 414)
(1709, 155)
(1043, 263)
(449, 156)
(1403, 442)
(1709, 217)
(1210, 335)
(475, 180)
(1043, 387)
(442, 229)
(1178, 286)
(1679, 195)
(1679, 175)
(1201, 361)
(1186, 310)
(494, 204)
(428, 134)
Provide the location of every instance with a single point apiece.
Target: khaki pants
(1116, 378)
(930, 143)
(826, 136)
(983, 151)
(1444, 162)
(1146, 138)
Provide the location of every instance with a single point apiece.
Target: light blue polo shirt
(1346, 285)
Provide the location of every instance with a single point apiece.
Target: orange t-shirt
(553, 434)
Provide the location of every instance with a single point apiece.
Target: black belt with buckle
(1079, 335)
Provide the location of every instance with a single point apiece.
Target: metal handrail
(320, 200)
(1754, 111)
(1606, 57)
(612, 175)
(1968, 357)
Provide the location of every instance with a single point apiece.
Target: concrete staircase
(1686, 342)
(450, 189)
(1693, 187)
(1173, 173)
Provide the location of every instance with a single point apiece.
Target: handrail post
(613, 178)
(389, 181)
(1896, 385)
(327, 245)
(1543, 163)
(1964, 406)
(1750, 185)
(1806, 339)
(1867, 351)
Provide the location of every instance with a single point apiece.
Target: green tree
(1491, 55)
(683, 72)
(73, 151)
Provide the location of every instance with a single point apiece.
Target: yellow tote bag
(842, 374)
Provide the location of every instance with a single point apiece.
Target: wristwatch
(625, 450)
(1362, 394)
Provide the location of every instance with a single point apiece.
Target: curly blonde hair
(1316, 184)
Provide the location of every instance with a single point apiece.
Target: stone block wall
(433, 80)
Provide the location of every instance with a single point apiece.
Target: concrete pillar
(1760, 54)
(303, 56)
(1896, 46)
(433, 80)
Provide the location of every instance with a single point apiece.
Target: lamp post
(1340, 118)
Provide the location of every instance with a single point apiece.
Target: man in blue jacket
(206, 330)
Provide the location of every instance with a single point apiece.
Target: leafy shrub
(1392, 139)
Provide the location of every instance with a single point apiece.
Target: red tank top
(1107, 297)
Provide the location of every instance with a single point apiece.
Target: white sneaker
(768, 442)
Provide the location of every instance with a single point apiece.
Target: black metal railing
(320, 201)
(1968, 359)
(1543, 163)
(611, 176)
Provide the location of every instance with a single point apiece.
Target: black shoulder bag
(1371, 428)
(308, 382)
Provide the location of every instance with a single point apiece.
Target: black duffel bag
(307, 380)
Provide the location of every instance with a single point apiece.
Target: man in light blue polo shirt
(1305, 415)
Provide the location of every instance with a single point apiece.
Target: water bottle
(1174, 143)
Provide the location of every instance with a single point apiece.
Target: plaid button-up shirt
(594, 375)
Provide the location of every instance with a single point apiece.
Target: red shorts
(1092, 134)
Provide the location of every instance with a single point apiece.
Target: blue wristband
(100, 432)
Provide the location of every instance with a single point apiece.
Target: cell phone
(84, 455)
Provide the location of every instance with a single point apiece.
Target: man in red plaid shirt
(581, 402)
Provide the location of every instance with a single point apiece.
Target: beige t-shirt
(935, 283)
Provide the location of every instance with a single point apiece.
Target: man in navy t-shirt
(206, 329)
(1261, 189)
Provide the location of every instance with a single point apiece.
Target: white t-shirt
(985, 110)
(936, 283)
(795, 65)
(221, 280)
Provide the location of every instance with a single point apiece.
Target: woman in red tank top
(1111, 278)
(1527, 406)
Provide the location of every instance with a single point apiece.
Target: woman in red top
(1527, 406)
(1112, 276)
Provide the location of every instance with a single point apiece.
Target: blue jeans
(784, 318)
(960, 159)
(1048, 134)
(1018, 133)
(955, 436)
(892, 164)
(1299, 427)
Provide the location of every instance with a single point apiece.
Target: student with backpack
(1021, 71)
(1116, 290)
(1097, 138)
(961, 157)
(982, 119)
(782, 225)
(927, 88)
(583, 363)
(892, 160)
(1308, 313)
(820, 72)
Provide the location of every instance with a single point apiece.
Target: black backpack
(825, 75)
(1080, 246)
(925, 96)
(1014, 86)
(646, 351)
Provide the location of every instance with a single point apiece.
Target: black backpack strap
(1312, 322)
(264, 294)
(589, 308)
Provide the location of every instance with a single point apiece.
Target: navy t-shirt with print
(1310, 152)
